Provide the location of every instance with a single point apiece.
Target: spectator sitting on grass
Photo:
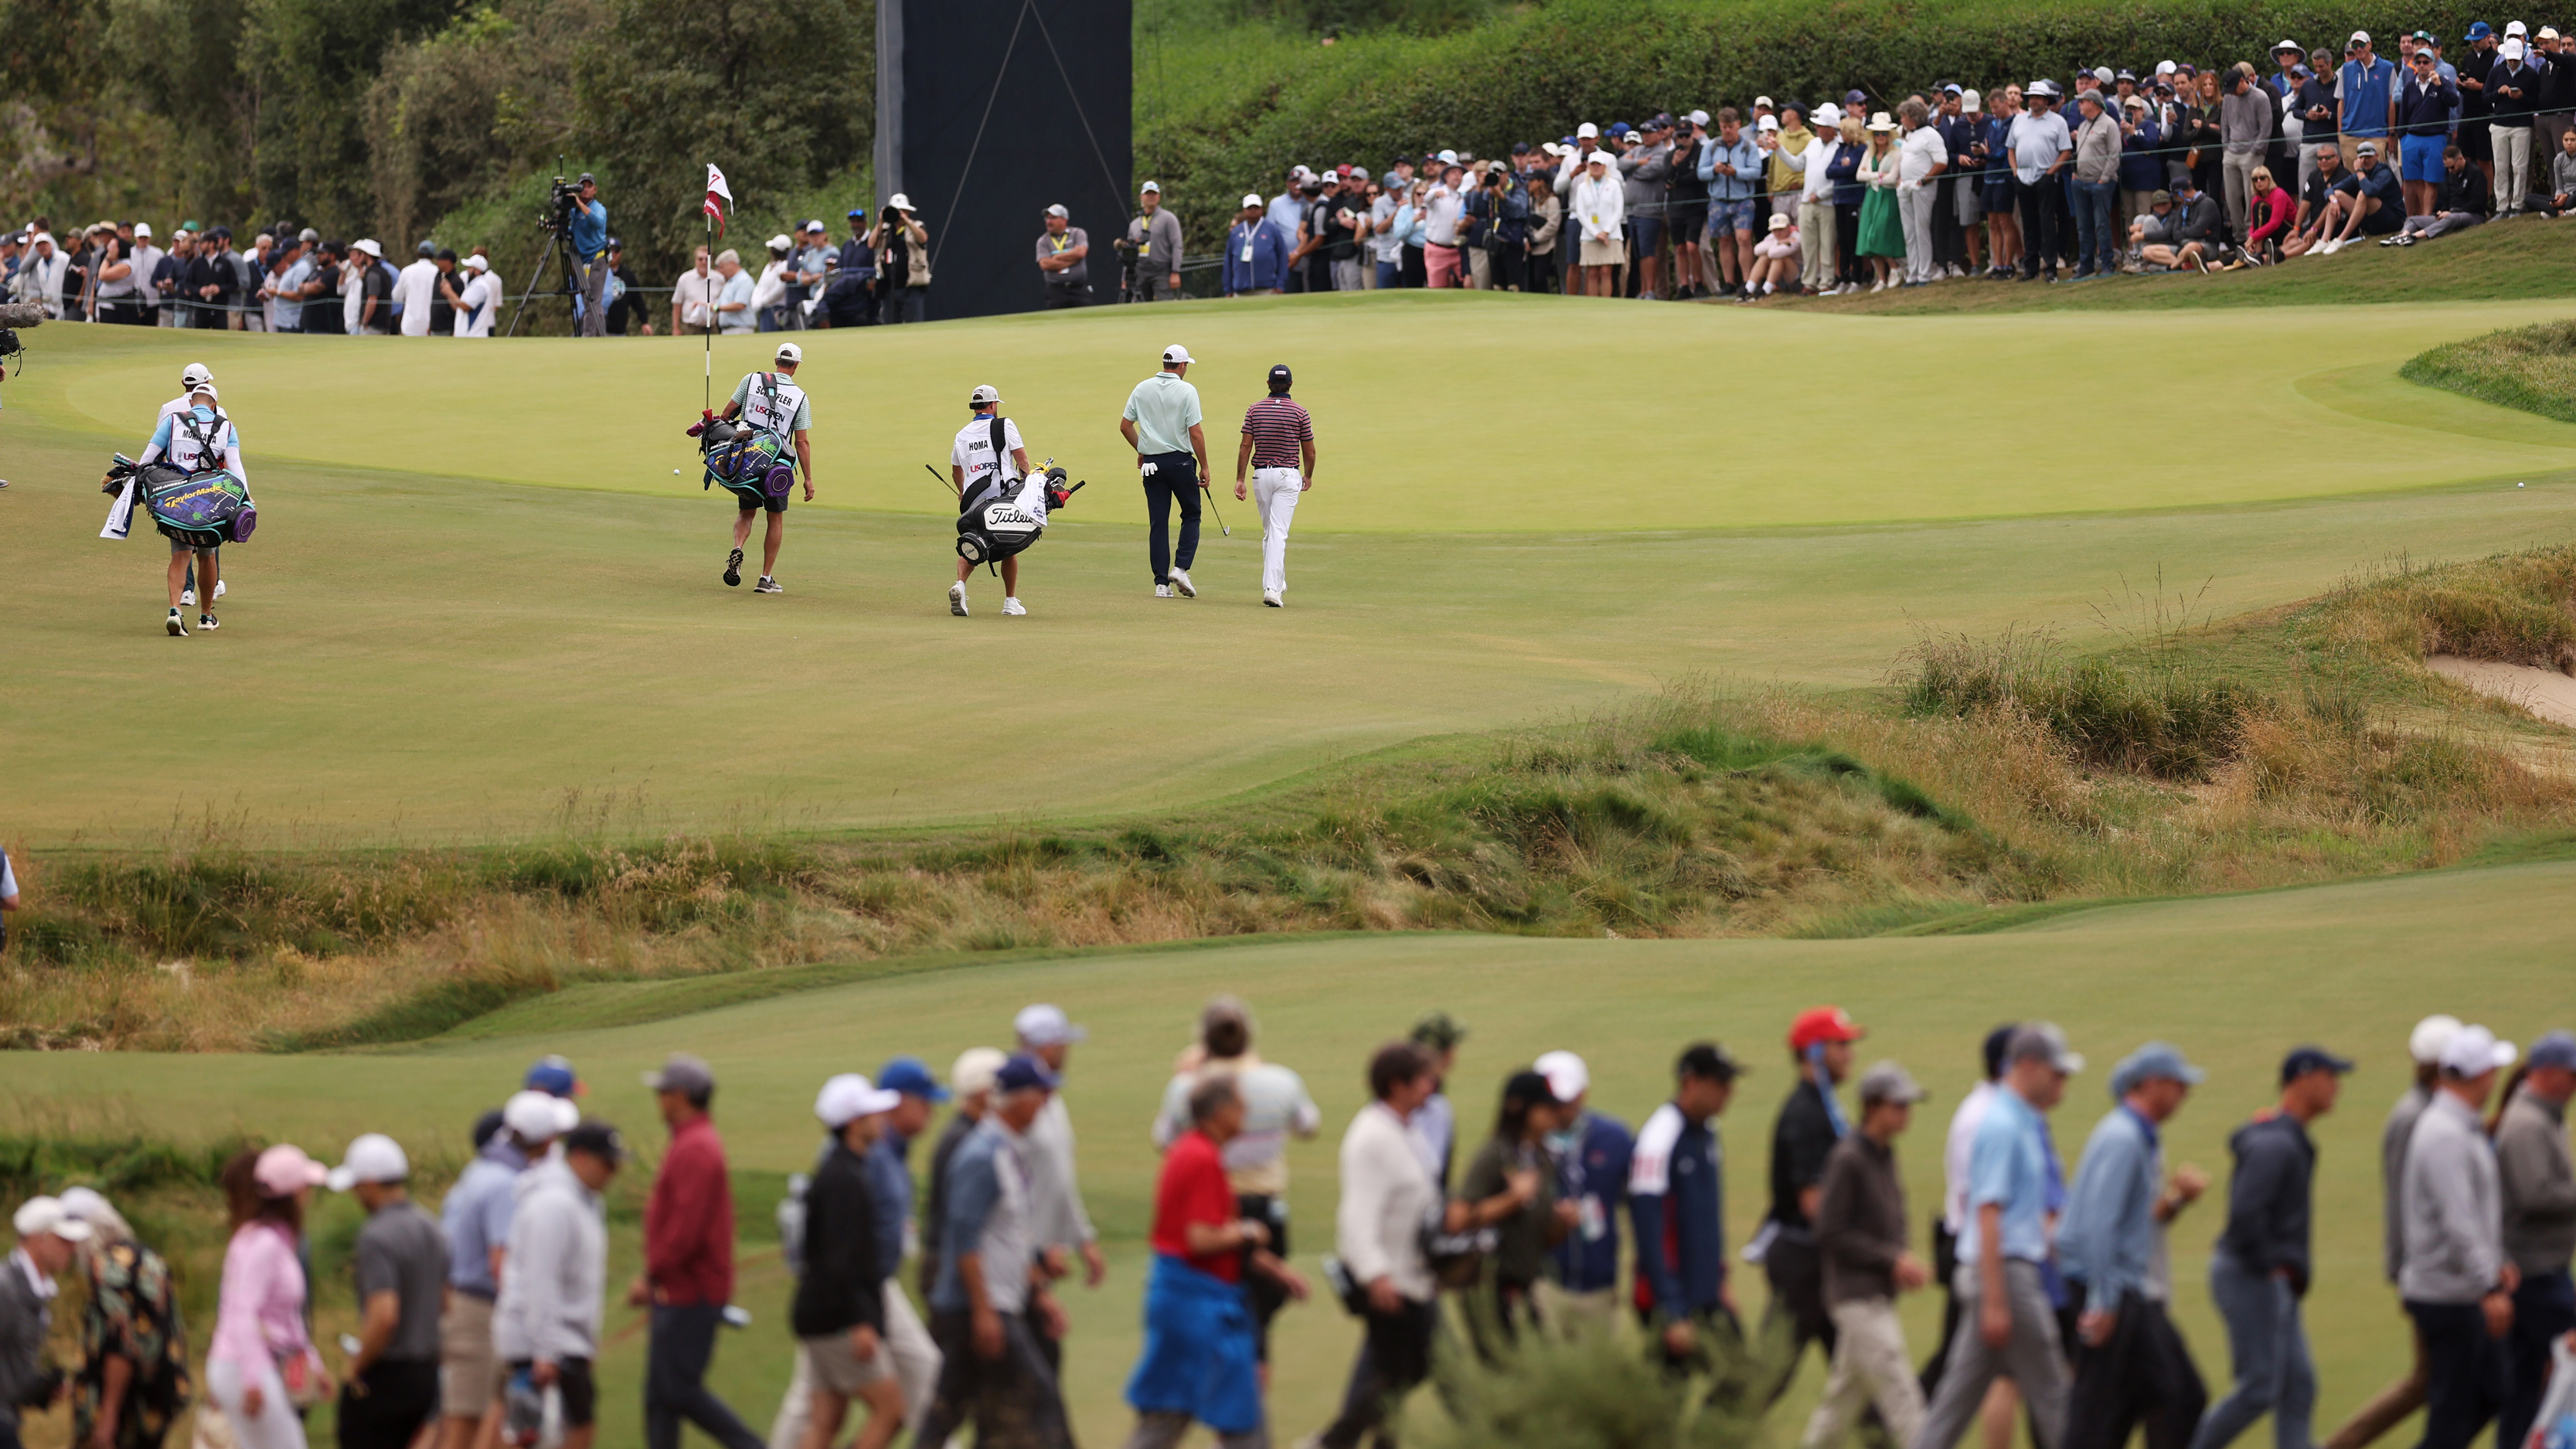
(2197, 238)
(1775, 260)
(2463, 201)
(2152, 234)
(2560, 194)
(2324, 170)
(2364, 203)
(2272, 210)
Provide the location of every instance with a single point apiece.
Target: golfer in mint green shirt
(1162, 424)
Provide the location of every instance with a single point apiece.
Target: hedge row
(1532, 75)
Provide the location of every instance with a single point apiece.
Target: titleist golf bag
(752, 463)
(992, 524)
(202, 510)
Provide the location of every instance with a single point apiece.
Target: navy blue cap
(2306, 1059)
(911, 1076)
(553, 1076)
(1280, 377)
(1022, 1072)
(2556, 1049)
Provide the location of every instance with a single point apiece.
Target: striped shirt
(1276, 427)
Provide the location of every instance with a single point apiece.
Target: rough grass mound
(2517, 608)
(2531, 368)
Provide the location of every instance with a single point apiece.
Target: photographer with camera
(1156, 239)
(47, 1236)
(580, 209)
(902, 245)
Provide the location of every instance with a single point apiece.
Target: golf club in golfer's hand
(1212, 508)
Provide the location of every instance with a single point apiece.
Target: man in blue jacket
(1256, 254)
(1594, 1156)
(2131, 1367)
(1678, 1201)
(590, 249)
(2260, 1269)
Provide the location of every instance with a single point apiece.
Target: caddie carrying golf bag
(753, 464)
(993, 521)
(201, 510)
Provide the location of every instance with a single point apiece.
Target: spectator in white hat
(840, 1311)
(970, 1080)
(1815, 222)
(2424, 1047)
(261, 1368)
(2456, 1281)
(547, 1323)
(1593, 1154)
(902, 245)
(1598, 209)
(133, 1379)
(1058, 1223)
(391, 1385)
(476, 1218)
(47, 1236)
(1256, 255)
(480, 300)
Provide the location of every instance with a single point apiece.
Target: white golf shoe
(1013, 608)
(957, 599)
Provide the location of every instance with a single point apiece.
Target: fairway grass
(2235, 981)
(416, 654)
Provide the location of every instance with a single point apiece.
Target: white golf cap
(1779, 221)
(1698, 118)
(371, 1158)
(975, 1070)
(476, 263)
(194, 373)
(781, 242)
(1762, 101)
(368, 246)
(790, 352)
(538, 1117)
(2359, 37)
(205, 390)
(1971, 102)
(1587, 132)
(47, 1215)
(849, 1096)
(88, 1205)
(143, 228)
(1767, 123)
(1058, 210)
(899, 202)
(2517, 28)
(1567, 1077)
(1448, 158)
(1598, 158)
(1253, 198)
(2510, 50)
(984, 393)
(1828, 116)
(2431, 1034)
(2473, 1051)
(815, 225)
(2164, 67)
(1155, 187)
(1044, 1024)
(1173, 354)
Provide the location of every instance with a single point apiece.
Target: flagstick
(707, 389)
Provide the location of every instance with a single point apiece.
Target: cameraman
(588, 219)
(1062, 257)
(1156, 236)
(902, 245)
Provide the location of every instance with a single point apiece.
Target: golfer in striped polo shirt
(1279, 448)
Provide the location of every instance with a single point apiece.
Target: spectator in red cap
(1811, 1122)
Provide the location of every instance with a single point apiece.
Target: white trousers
(1914, 208)
(2512, 167)
(1274, 492)
(274, 1427)
(916, 1367)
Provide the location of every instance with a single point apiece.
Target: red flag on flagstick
(719, 198)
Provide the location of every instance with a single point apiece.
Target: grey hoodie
(557, 1269)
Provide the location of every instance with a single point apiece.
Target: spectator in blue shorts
(2424, 106)
(1732, 167)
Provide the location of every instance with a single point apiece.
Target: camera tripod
(555, 249)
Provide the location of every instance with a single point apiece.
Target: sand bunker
(2544, 692)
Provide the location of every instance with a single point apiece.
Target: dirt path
(2544, 692)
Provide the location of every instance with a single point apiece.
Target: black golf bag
(991, 524)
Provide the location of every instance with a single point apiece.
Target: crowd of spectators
(285, 280)
(2179, 167)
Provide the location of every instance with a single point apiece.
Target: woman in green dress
(1882, 235)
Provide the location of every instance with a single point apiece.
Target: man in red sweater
(688, 1264)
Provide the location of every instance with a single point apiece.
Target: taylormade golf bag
(993, 522)
(753, 464)
(201, 510)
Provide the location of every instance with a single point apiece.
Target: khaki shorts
(470, 1374)
(834, 1367)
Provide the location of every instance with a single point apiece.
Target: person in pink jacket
(262, 1365)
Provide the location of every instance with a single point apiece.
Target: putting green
(2342, 965)
(1441, 413)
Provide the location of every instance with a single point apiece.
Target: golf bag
(752, 463)
(201, 510)
(991, 524)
